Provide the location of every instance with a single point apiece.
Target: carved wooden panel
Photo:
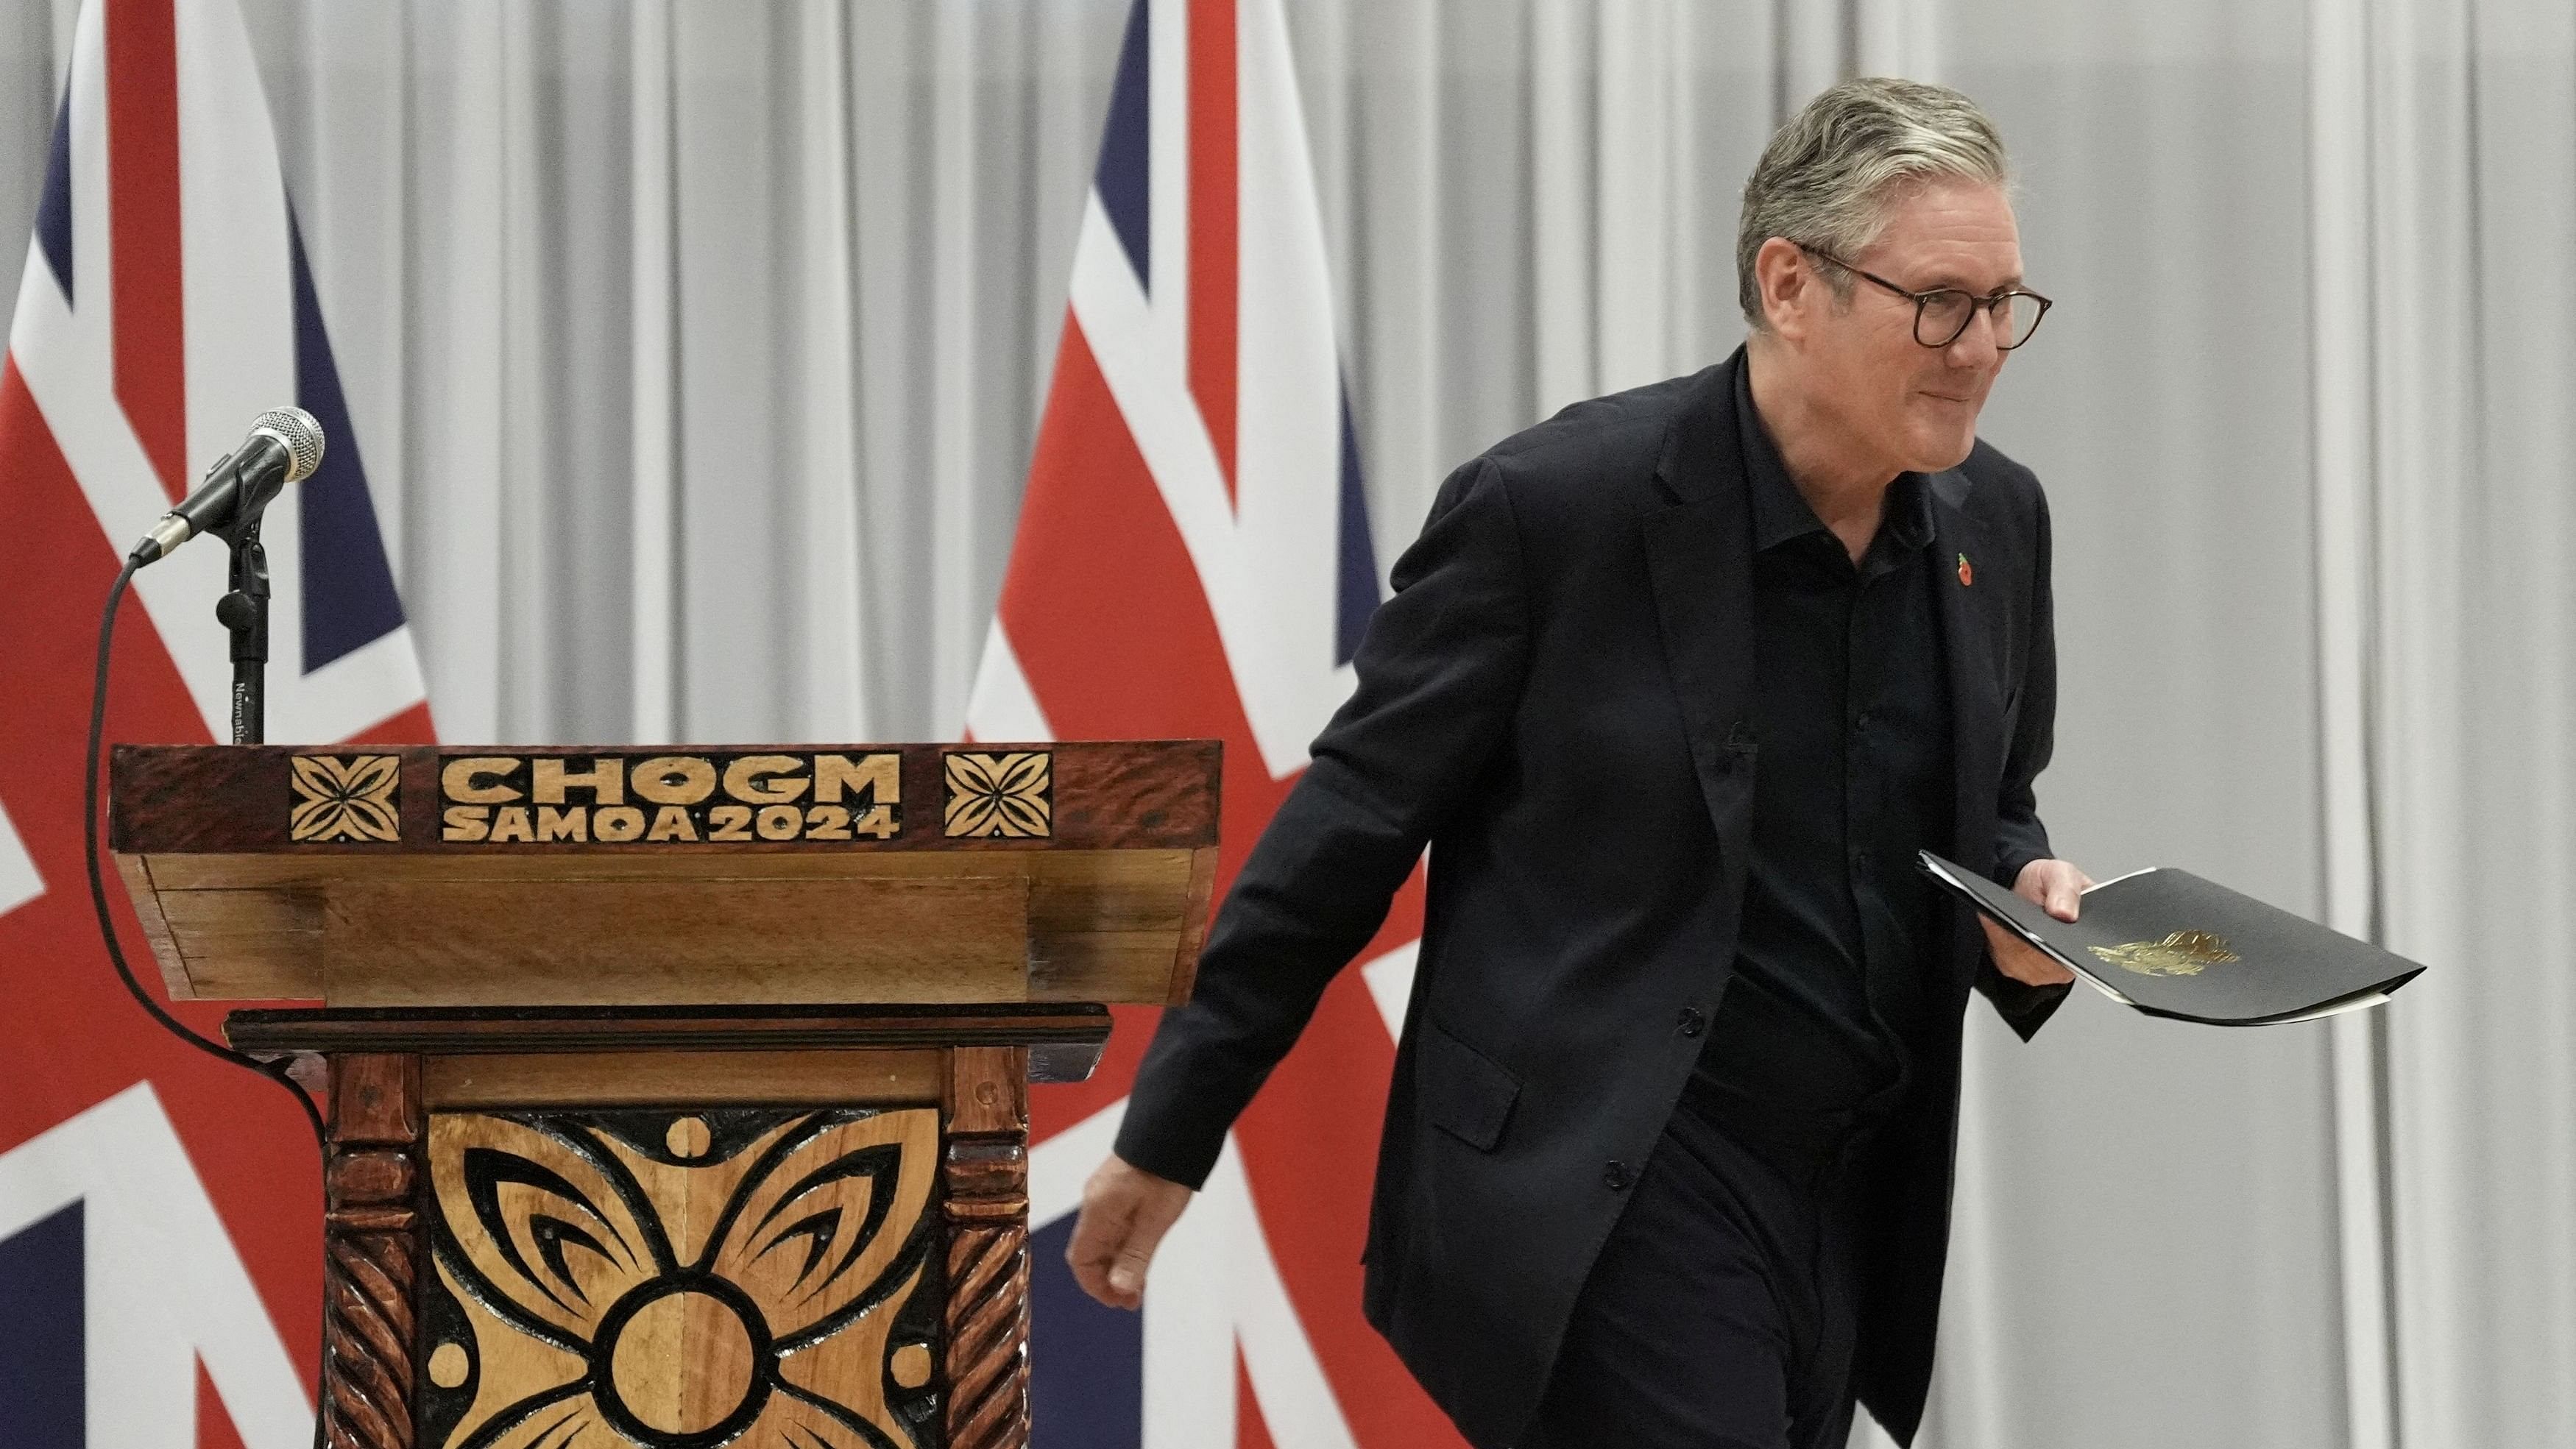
(371, 1250)
(987, 1207)
(675, 1280)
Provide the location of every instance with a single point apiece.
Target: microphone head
(295, 430)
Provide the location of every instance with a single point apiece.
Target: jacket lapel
(1970, 609)
(1699, 554)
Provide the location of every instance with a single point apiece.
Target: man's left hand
(2055, 886)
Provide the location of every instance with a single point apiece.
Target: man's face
(1917, 406)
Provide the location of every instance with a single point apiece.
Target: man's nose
(1980, 343)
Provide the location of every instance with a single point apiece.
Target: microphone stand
(245, 612)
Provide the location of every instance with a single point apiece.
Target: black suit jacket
(1553, 701)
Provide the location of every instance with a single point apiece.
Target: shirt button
(1617, 1176)
(1693, 1021)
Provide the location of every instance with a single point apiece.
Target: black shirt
(1852, 775)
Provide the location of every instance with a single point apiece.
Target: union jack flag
(1193, 558)
(159, 1211)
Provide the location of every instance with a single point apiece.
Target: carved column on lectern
(987, 1210)
(371, 1249)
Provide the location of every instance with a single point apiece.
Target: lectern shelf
(673, 1004)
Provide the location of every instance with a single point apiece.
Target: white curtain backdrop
(695, 350)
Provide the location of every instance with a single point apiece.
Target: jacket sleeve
(2020, 838)
(1440, 674)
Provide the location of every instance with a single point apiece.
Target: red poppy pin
(1967, 575)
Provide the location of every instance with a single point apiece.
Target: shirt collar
(1781, 512)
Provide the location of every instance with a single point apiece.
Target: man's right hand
(1125, 1212)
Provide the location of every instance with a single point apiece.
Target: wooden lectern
(676, 1097)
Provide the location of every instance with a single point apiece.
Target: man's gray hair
(1827, 176)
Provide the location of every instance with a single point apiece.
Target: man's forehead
(1952, 232)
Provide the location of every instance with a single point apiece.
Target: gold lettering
(605, 780)
(750, 781)
(558, 822)
(466, 822)
(672, 823)
(674, 779)
(510, 822)
(731, 822)
(458, 779)
(618, 823)
(881, 774)
(878, 822)
(779, 822)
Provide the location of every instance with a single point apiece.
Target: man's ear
(1787, 285)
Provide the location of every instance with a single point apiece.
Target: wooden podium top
(738, 875)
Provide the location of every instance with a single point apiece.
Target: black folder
(2172, 944)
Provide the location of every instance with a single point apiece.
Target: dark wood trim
(372, 1249)
(234, 799)
(985, 1178)
(1062, 1042)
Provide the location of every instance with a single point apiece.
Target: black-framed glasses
(1941, 314)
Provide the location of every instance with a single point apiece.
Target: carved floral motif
(347, 797)
(1000, 795)
(674, 1281)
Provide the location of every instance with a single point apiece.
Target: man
(1675, 685)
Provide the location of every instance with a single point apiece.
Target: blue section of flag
(1355, 587)
(1086, 1362)
(54, 208)
(1125, 180)
(41, 1318)
(349, 597)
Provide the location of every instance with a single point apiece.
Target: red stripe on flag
(1104, 610)
(1101, 601)
(1214, 221)
(215, 1429)
(1309, 1141)
(69, 1036)
(1111, 626)
(1250, 1430)
(143, 231)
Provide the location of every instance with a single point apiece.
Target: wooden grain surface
(1101, 925)
(711, 1259)
(684, 1364)
(604, 943)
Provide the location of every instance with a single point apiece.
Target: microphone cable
(273, 1071)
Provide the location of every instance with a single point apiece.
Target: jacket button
(1617, 1176)
(1693, 1021)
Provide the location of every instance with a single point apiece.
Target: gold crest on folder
(2184, 953)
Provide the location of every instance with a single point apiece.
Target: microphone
(284, 446)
